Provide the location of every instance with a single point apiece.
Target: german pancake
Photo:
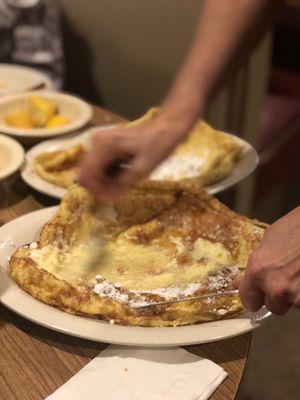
(161, 244)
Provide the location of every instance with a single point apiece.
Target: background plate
(28, 173)
(76, 110)
(25, 230)
(17, 79)
(245, 165)
(11, 156)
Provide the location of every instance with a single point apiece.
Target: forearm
(224, 28)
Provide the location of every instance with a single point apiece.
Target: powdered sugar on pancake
(115, 291)
(178, 167)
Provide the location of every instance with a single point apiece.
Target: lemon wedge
(19, 119)
(40, 110)
(57, 120)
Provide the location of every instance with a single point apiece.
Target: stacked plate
(17, 83)
(16, 79)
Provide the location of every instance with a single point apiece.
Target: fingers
(236, 282)
(264, 285)
(105, 150)
(140, 167)
(277, 306)
(250, 292)
(145, 152)
(251, 296)
(294, 290)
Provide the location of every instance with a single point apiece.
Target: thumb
(251, 296)
(139, 168)
(236, 283)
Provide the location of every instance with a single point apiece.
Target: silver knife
(202, 297)
(96, 240)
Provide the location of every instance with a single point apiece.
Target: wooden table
(35, 361)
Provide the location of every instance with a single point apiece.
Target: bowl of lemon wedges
(41, 114)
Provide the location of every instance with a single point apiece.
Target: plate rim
(232, 180)
(138, 336)
(56, 192)
(48, 82)
(18, 159)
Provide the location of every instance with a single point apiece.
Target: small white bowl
(76, 110)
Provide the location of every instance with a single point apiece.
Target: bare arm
(227, 30)
(224, 28)
(273, 271)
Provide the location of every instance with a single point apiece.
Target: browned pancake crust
(204, 217)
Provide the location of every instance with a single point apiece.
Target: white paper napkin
(121, 373)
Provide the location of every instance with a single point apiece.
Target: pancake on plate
(160, 244)
(59, 167)
(207, 156)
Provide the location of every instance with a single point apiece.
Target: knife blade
(194, 298)
(95, 243)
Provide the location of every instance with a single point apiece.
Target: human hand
(142, 146)
(272, 276)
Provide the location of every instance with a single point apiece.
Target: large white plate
(76, 110)
(25, 230)
(17, 79)
(245, 165)
(11, 156)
